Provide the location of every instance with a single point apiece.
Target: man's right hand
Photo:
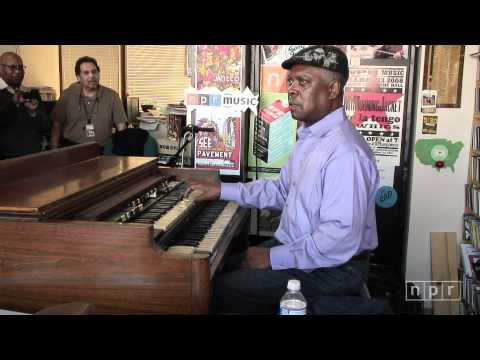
(17, 98)
(206, 192)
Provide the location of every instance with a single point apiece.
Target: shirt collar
(4, 85)
(324, 125)
(79, 90)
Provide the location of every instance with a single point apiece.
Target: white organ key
(214, 234)
(194, 194)
(167, 220)
(180, 250)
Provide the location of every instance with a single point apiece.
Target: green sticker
(439, 152)
(435, 151)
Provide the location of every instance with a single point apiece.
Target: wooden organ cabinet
(113, 231)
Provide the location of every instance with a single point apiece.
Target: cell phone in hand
(33, 94)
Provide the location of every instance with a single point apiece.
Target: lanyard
(87, 114)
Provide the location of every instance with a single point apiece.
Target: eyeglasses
(15, 67)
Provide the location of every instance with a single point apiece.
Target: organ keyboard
(207, 230)
(112, 231)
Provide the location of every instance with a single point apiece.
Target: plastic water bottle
(293, 302)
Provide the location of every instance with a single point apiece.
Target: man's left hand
(257, 258)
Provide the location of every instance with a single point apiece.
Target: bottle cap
(293, 285)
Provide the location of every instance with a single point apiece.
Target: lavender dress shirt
(326, 193)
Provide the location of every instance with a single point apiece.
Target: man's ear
(334, 89)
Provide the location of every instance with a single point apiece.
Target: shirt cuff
(281, 258)
(229, 191)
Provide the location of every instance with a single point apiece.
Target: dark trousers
(258, 291)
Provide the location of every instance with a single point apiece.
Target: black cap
(323, 56)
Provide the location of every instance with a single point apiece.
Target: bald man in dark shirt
(23, 124)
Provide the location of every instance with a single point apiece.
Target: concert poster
(218, 66)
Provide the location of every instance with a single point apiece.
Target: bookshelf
(472, 188)
(469, 275)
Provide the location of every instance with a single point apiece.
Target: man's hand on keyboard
(203, 192)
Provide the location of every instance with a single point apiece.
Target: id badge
(89, 130)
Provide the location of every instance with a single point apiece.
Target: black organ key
(200, 225)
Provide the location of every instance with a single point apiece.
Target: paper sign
(387, 174)
(429, 101)
(429, 124)
(229, 99)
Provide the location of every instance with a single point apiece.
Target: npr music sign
(432, 291)
(234, 100)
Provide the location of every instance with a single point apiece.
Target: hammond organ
(114, 231)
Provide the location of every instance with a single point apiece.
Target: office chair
(348, 305)
(358, 304)
(131, 142)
